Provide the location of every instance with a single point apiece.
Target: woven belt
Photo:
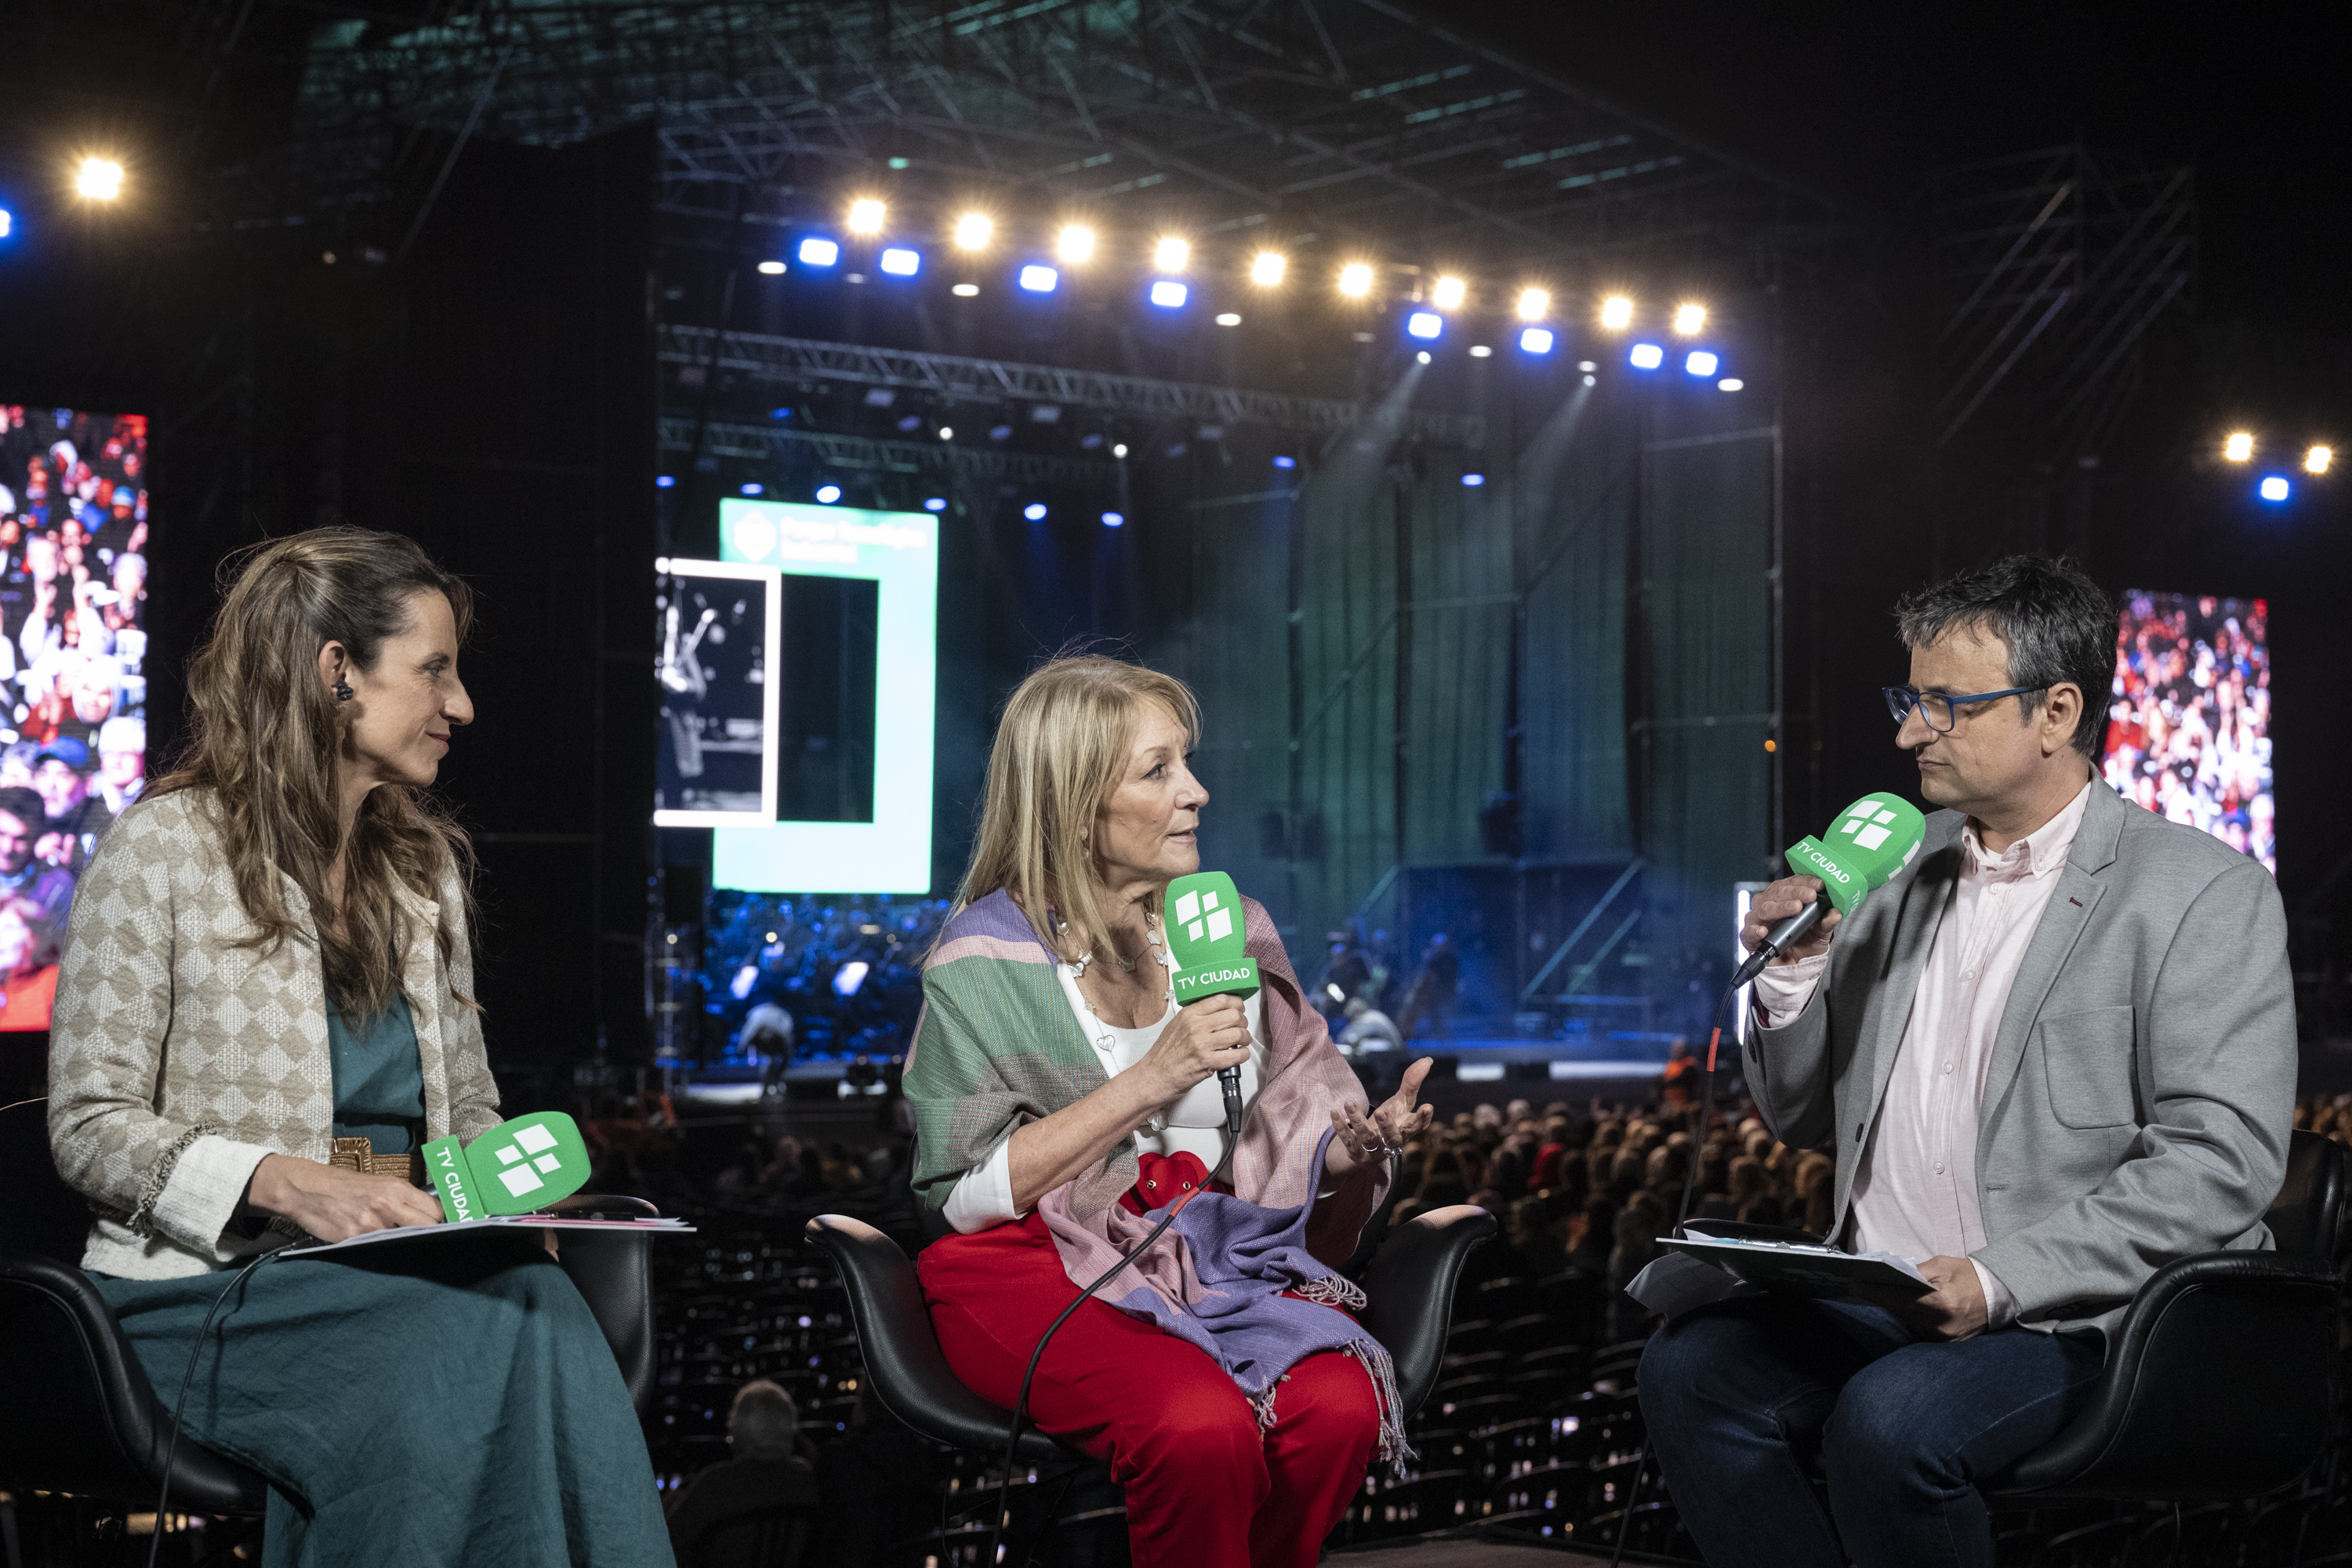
(359, 1154)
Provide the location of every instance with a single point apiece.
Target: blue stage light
(663, 482)
(1646, 356)
(2276, 488)
(1701, 362)
(936, 503)
(900, 263)
(1473, 480)
(829, 494)
(815, 252)
(1168, 294)
(1285, 462)
(784, 412)
(1035, 512)
(1536, 341)
(7, 223)
(1039, 279)
(1114, 520)
(1424, 323)
(754, 487)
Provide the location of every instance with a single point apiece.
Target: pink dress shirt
(1915, 1193)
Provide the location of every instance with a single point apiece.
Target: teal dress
(447, 1400)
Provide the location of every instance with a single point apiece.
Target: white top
(1915, 1192)
(983, 1195)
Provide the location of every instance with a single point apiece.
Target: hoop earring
(343, 692)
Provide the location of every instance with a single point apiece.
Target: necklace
(1126, 965)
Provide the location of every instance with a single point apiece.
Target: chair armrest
(613, 1272)
(77, 1411)
(1411, 1287)
(905, 1367)
(2219, 1384)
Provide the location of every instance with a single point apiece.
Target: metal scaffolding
(952, 378)
(1345, 122)
(761, 442)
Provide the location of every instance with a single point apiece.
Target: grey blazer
(2142, 1082)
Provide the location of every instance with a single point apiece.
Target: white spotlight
(1690, 320)
(1533, 304)
(1075, 242)
(865, 216)
(772, 268)
(98, 179)
(2315, 461)
(972, 231)
(1355, 280)
(1266, 268)
(2239, 447)
(1171, 254)
(1449, 293)
(1230, 319)
(1617, 312)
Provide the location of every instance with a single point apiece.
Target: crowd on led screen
(73, 735)
(2189, 731)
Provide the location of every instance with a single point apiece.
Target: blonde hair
(264, 736)
(1060, 749)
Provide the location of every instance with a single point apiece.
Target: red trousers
(1206, 1485)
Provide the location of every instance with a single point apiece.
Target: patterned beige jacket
(177, 1060)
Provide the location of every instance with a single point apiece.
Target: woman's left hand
(1364, 1139)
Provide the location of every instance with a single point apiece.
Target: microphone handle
(1230, 1081)
(1781, 938)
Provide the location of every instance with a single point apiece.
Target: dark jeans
(1741, 1396)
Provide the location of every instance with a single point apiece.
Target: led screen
(854, 688)
(73, 609)
(2188, 727)
(717, 631)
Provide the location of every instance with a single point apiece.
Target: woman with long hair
(264, 1011)
(1063, 1102)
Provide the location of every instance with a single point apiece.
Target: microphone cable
(1233, 1114)
(179, 1406)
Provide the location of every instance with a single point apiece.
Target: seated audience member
(712, 1523)
(22, 874)
(121, 761)
(28, 965)
(62, 778)
(1368, 1029)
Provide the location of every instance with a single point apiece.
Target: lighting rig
(2241, 446)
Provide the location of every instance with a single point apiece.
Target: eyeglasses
(1941, 711)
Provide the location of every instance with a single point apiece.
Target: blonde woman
(1064, 1101)
(263, 1010)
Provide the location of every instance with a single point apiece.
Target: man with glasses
(2053, 1054)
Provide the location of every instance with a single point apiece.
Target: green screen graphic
(516, 1166)
(1205, 938)
(1875, 838)
(890, 852)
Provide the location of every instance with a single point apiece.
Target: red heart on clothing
(1161, 1179)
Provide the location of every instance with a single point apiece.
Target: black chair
(776, 1537)
(1410, 1283)
(2220, 1378)
(78, 1414)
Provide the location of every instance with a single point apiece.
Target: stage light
(772, 268)
(911, 423)
(1690, 320)
(1285, 462)
(1266, 268)
(754, 489)
(1591, 380)
(1424, 323)
(815, 252)
(99, 180)
(2239, 447)
(1730, 384)
(1000, 432)
(1646, 356)
(1355, 280)
(965, 291)
(2276, 488)
(1168, 294)
(2314, 461)
(829, 494)
(1587, 366)
(664, 481)
(1480, 350)
(900, 263)
(1536, 341)
(1114, 520)
(865, 216)
(7, 223)
(783, 412)
(1228, 320)
(973, 231)
(1039, 279)
(1534, 303)
(1449, 293)
(1616, 312)
(1473, 480)
(1075, 243)
(1118, 450)
(1035, 512)
(1171, 254)
(947, 432)
(1701, 362)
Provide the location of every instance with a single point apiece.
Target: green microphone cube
(1205, 938)
(514, 1168)
(1873, 839)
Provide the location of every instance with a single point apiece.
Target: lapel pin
(2076, 901)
